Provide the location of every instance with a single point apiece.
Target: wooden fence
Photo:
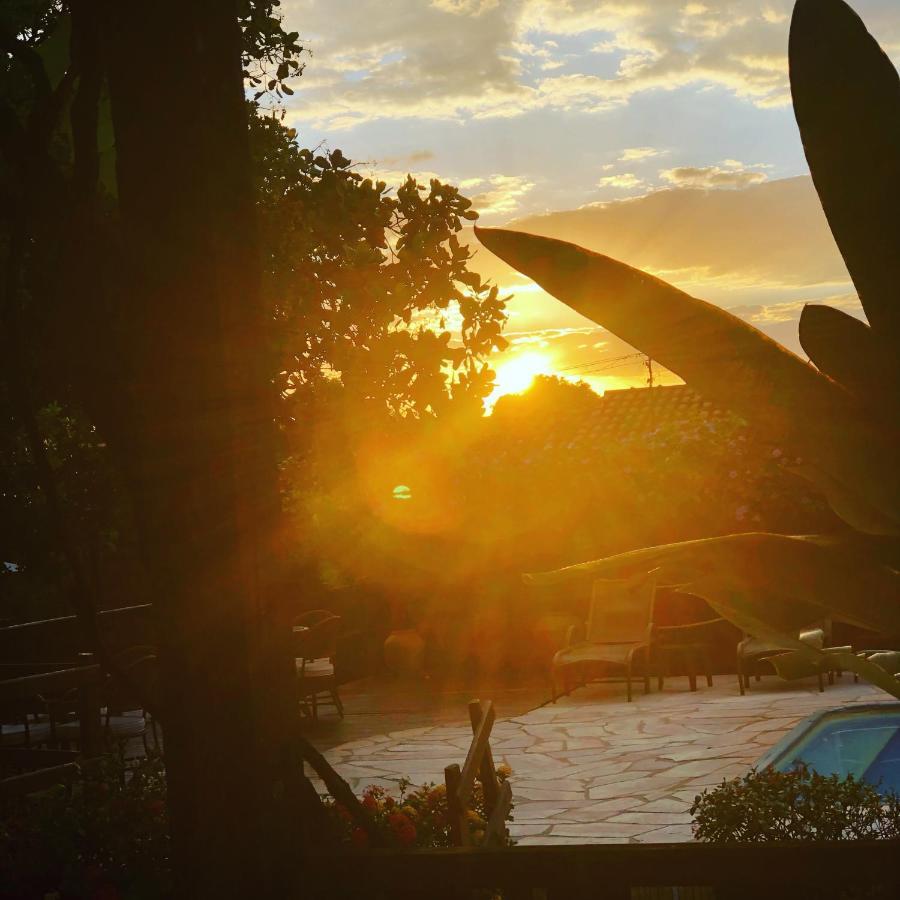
(61, 640)
(26, 769)
(825, 871)
(461, 783)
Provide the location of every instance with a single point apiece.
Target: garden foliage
(799, 805)
(104, 837)
(418, 817)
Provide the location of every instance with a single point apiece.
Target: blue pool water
(862, 741)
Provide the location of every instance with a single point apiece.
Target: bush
(800, 805)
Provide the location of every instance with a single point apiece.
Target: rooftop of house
(636, 411)
(616, 415)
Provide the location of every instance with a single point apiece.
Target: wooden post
(487, 772)
(89, 716)
(459, 828)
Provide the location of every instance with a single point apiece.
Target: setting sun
(516, 375)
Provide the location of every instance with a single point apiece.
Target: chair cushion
(754, 647)
(16, 736)
(120, 728)
(316, 668)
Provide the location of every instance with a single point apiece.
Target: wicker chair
(315, 636)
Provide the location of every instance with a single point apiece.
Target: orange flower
(403, 829)
(342, 812)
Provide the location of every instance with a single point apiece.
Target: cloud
(412, 159)
(731, 246)
(396, 177)
(625, 181)
(731, 174)
(773, 313)
(635, 153)
(762, 252)
(464, 7)
(465, 59)
(497, 194)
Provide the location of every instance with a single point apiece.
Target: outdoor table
(692, 654)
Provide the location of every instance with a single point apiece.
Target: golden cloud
(625, 181)
(731, 175)
(636, 153)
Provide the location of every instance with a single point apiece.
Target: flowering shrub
(799, 805)
(103, 838)
(418, 817)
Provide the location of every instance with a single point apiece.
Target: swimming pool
(863, 741)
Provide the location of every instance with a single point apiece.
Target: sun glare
(516, 374)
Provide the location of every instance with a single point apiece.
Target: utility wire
(600, 360)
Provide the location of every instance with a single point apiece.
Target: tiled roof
(619, 415)
(636, 411)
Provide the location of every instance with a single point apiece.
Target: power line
(600, 360)
(605, 367)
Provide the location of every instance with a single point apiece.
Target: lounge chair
(618, 630)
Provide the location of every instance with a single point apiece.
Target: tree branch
(339, 789)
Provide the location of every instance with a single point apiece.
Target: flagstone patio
(595, 769)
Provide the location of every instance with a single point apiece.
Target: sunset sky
(656, 131)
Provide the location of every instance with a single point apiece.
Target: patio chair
(315, 649)
(619, 628)
(124, 718)
(752, 651)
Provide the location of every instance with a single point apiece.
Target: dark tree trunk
(197, 438)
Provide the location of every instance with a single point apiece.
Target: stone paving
(595, 769)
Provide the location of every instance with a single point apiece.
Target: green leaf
(808, 661)
(839, 344)
(728, 361)
(846, 95)
(786, 582)
(847, 350)
(772, 587)
(54, 51)
(845, 503)
(106, 144)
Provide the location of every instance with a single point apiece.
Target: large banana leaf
(844, 348)
(771, 586)
(752, 614)
(729, 361)
(846, 96)
(807, 661)
(789, 581)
